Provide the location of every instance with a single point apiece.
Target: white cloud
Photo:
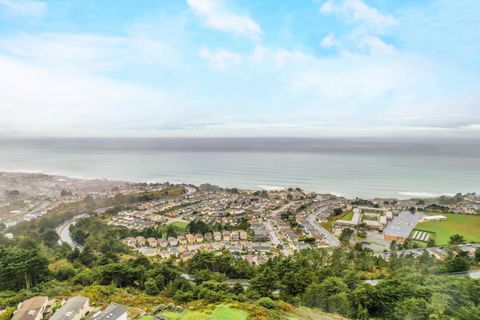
(24, 7)
(88, 51)
(375, 45)
(37, 100)
(328, 41)
(221, 58)
(359, 11)
(215, 15)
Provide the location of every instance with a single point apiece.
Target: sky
(220, 68)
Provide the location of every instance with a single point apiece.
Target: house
(152, 242)
(217, 236)
(226, 235)
(182, 240)
(162, 242)
(182, 249)
(74, 309)
(243, 235)
(260, 233)
(190, 238)
(140, 241)
(165, 254)
(208, 237)
(114, 311)
(130, 242)
(234, 236)
(173, 241)
(199, 237)
(31, 309)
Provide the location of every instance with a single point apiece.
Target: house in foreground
(74, 309)
(31, 309)
(114, 311)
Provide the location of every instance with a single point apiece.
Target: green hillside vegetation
(300, 286)
(466, 225)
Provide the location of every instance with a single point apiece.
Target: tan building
(190, 238)
(31, 309)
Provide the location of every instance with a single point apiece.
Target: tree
(21, 268)
(456, 239)
(411, 309)
(393, 245)
(477, 254)
(266, 302)
(263, 284)
(330, 296)
(457, 264)
(346, 235)
(237, 288)
(50, 237)
(151, 287)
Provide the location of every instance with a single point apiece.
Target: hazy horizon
(351, 167)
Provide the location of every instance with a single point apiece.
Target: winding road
(63, 232)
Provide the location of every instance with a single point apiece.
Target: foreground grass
(466, 225)
(221, 312)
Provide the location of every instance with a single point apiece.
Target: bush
(7, 314)
(267, 303)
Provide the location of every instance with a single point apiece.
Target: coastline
(408, 195)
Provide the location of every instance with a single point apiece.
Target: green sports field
(466, 225)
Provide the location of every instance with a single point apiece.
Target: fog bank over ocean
(399, 168)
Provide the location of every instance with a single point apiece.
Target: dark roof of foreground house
(113, 311)
(70, 309)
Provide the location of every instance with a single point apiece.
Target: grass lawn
(221, 312)
(466, 225)
(179, 224)
(364, 218)
(327, 225)
(347, 216)
(224, 312)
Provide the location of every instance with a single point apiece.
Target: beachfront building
(433, 218)
(400, 227)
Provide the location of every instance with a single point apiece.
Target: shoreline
(405, 196)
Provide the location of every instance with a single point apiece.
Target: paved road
(273, 235)
(331, 239)
(64, 231)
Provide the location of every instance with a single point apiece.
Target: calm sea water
(350, 167)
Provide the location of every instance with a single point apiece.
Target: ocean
(400, 168)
